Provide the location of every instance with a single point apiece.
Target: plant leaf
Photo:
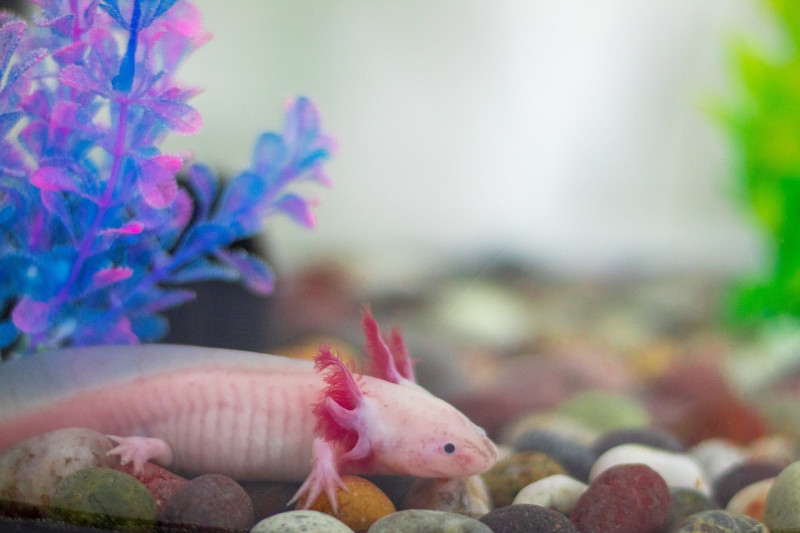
(298, 209)
(157, 179)
(53, 179)
(269, 154)
(31, 316)
(107, 276)
(256, 274)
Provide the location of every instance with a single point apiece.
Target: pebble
(31, 469)
(467, 496)
(649, 436)
(510, 474)
(160, 482)
(416, 520)
(739, 476)
(300, 522)
(210, 500)
(780, 449)
(527, 519)
(576, 458)
(552, 422)
(715, 456)
(678, 470)
(718, 521)
(605, 411)
(626, 498)
(684, 502)
(783, 500)
(103, 498)
(751, 500)
(558, 492)
(360, 506)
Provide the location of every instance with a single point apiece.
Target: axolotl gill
(250, 416)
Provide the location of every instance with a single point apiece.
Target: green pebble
(300, 522)
(605, 412)
(104, 498)
(718, 521)
(782, 511)
(511, 474)
(413, 520)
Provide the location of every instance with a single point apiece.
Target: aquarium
(177, 356)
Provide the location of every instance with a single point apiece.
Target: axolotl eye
(449, 448)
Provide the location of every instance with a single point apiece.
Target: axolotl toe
(250, 416)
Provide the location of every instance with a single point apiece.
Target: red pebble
(161, 483)
(626, 498)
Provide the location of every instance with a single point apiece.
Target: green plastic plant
(763, 123)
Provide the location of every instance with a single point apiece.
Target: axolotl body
(249, 416)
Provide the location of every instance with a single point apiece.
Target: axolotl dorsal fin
(390, 361)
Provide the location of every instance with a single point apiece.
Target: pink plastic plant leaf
(53, 179)
(108, 276)
(298, 208)
(157, 180)
(31, 316)
(80, 78)
(182, 118)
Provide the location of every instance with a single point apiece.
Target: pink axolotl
(249, 416)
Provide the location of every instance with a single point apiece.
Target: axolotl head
(421, 435)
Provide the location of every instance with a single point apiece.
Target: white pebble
(715, 456)
(300, 521)
(557, 492)
(678, 470)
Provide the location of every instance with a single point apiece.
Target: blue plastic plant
(96, 232)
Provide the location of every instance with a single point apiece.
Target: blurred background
(570, 134)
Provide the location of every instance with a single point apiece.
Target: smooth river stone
(625, 498)
(782, 512)
(751, 500)
(467, 496)
(31, 469)
(418, 520)
(678, 470)
(300, 522)
(558, 492)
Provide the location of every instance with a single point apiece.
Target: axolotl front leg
(139, 450)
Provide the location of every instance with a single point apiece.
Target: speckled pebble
(648, 436)
(739, 476)
(718, 521)
(558, 492)
(360, 506)
(467, 496)
(684, 502)
(300, 522)
(575, 457)
(626, 498)
(31, 469)
(210, 500)
(104, 498)
(715, 456)
(783, 500)
(605, 411)
(160, 482)
(678, 470)
(510, 474)
(527, 519)
(418, 520)
(751, 500)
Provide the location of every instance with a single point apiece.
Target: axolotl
(250, 416)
